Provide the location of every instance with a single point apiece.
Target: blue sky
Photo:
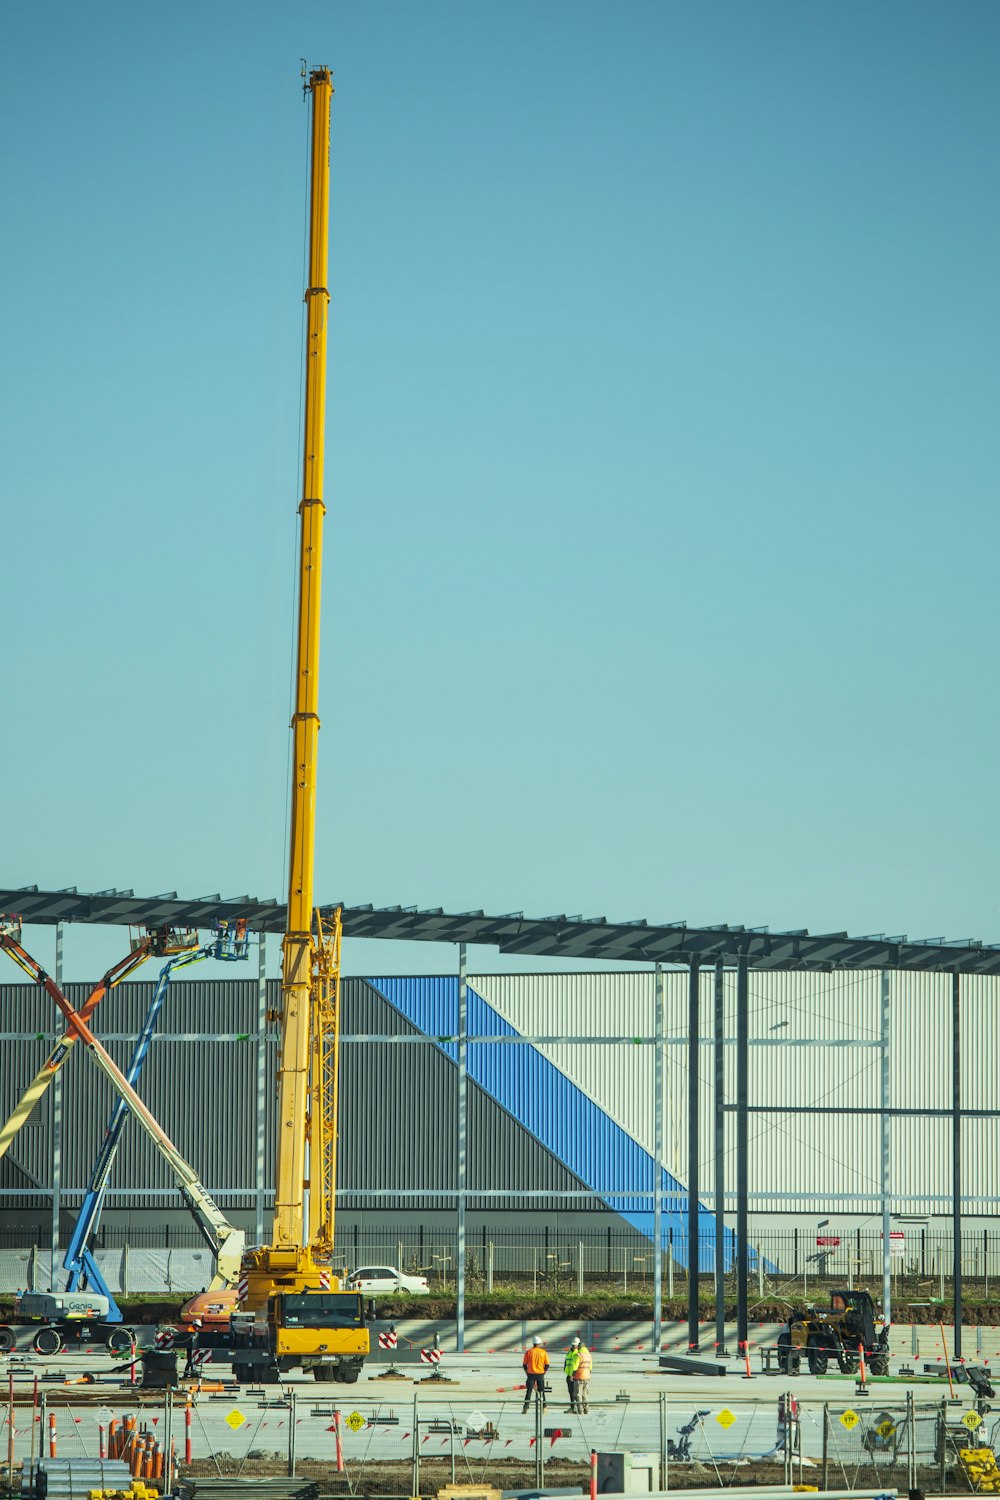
(661, 466)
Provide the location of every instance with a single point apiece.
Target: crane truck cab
(322, 1331)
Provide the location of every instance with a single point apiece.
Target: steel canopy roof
(544, 937)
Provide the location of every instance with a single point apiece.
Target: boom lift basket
(164, 941)
(232, 941)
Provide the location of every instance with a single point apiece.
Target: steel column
(463, 1031)
(719, 1196)
(57, 1133)
(694, 1100)
(884, 1154)
(956, 1159)
(658, 1029)
(261, 1087)
(742, 1145)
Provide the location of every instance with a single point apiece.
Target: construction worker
(535, 1362)
(584, 1370)
(570, 1364)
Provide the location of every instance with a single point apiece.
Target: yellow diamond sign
(850, 1419)
(355, 1421)
(972, 1420)
(235, 1419)
(886, 1428)
(725, 1417)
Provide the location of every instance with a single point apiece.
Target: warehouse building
(576, 1089)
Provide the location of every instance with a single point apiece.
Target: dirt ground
(395, 1478)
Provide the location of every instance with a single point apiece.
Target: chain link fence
(405, 1442)
(787, 1264)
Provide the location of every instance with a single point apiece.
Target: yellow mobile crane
(292, 1312)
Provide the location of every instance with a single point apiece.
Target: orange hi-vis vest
(536, 1361)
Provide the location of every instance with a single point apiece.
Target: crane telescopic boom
(298, 949)
(301, 1250)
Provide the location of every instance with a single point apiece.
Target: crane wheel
(8, 1338)
(48, 1341)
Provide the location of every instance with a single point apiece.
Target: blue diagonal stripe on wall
(558, 1113)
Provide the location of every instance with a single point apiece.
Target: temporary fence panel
(869, 1444)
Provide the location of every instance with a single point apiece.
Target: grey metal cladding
(503, 1154)
(203, 1093)
(398, 1117)
(390, 1097)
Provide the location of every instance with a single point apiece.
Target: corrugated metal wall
(203, 1092)
(815, 1041)
(419, 1084)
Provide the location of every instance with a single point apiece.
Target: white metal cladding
(979, 1052)
(815, 1041)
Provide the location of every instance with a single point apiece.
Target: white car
(386, 1279)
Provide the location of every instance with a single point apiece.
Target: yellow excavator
(291, 1312)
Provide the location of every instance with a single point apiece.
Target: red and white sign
(387, 1341)
(897, 1242)
(242, 1288)
(431, 1356)
(828, 1241)
(325, 1280)
(164, 1339)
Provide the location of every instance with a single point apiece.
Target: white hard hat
(536, 1341)
(576, 1341)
